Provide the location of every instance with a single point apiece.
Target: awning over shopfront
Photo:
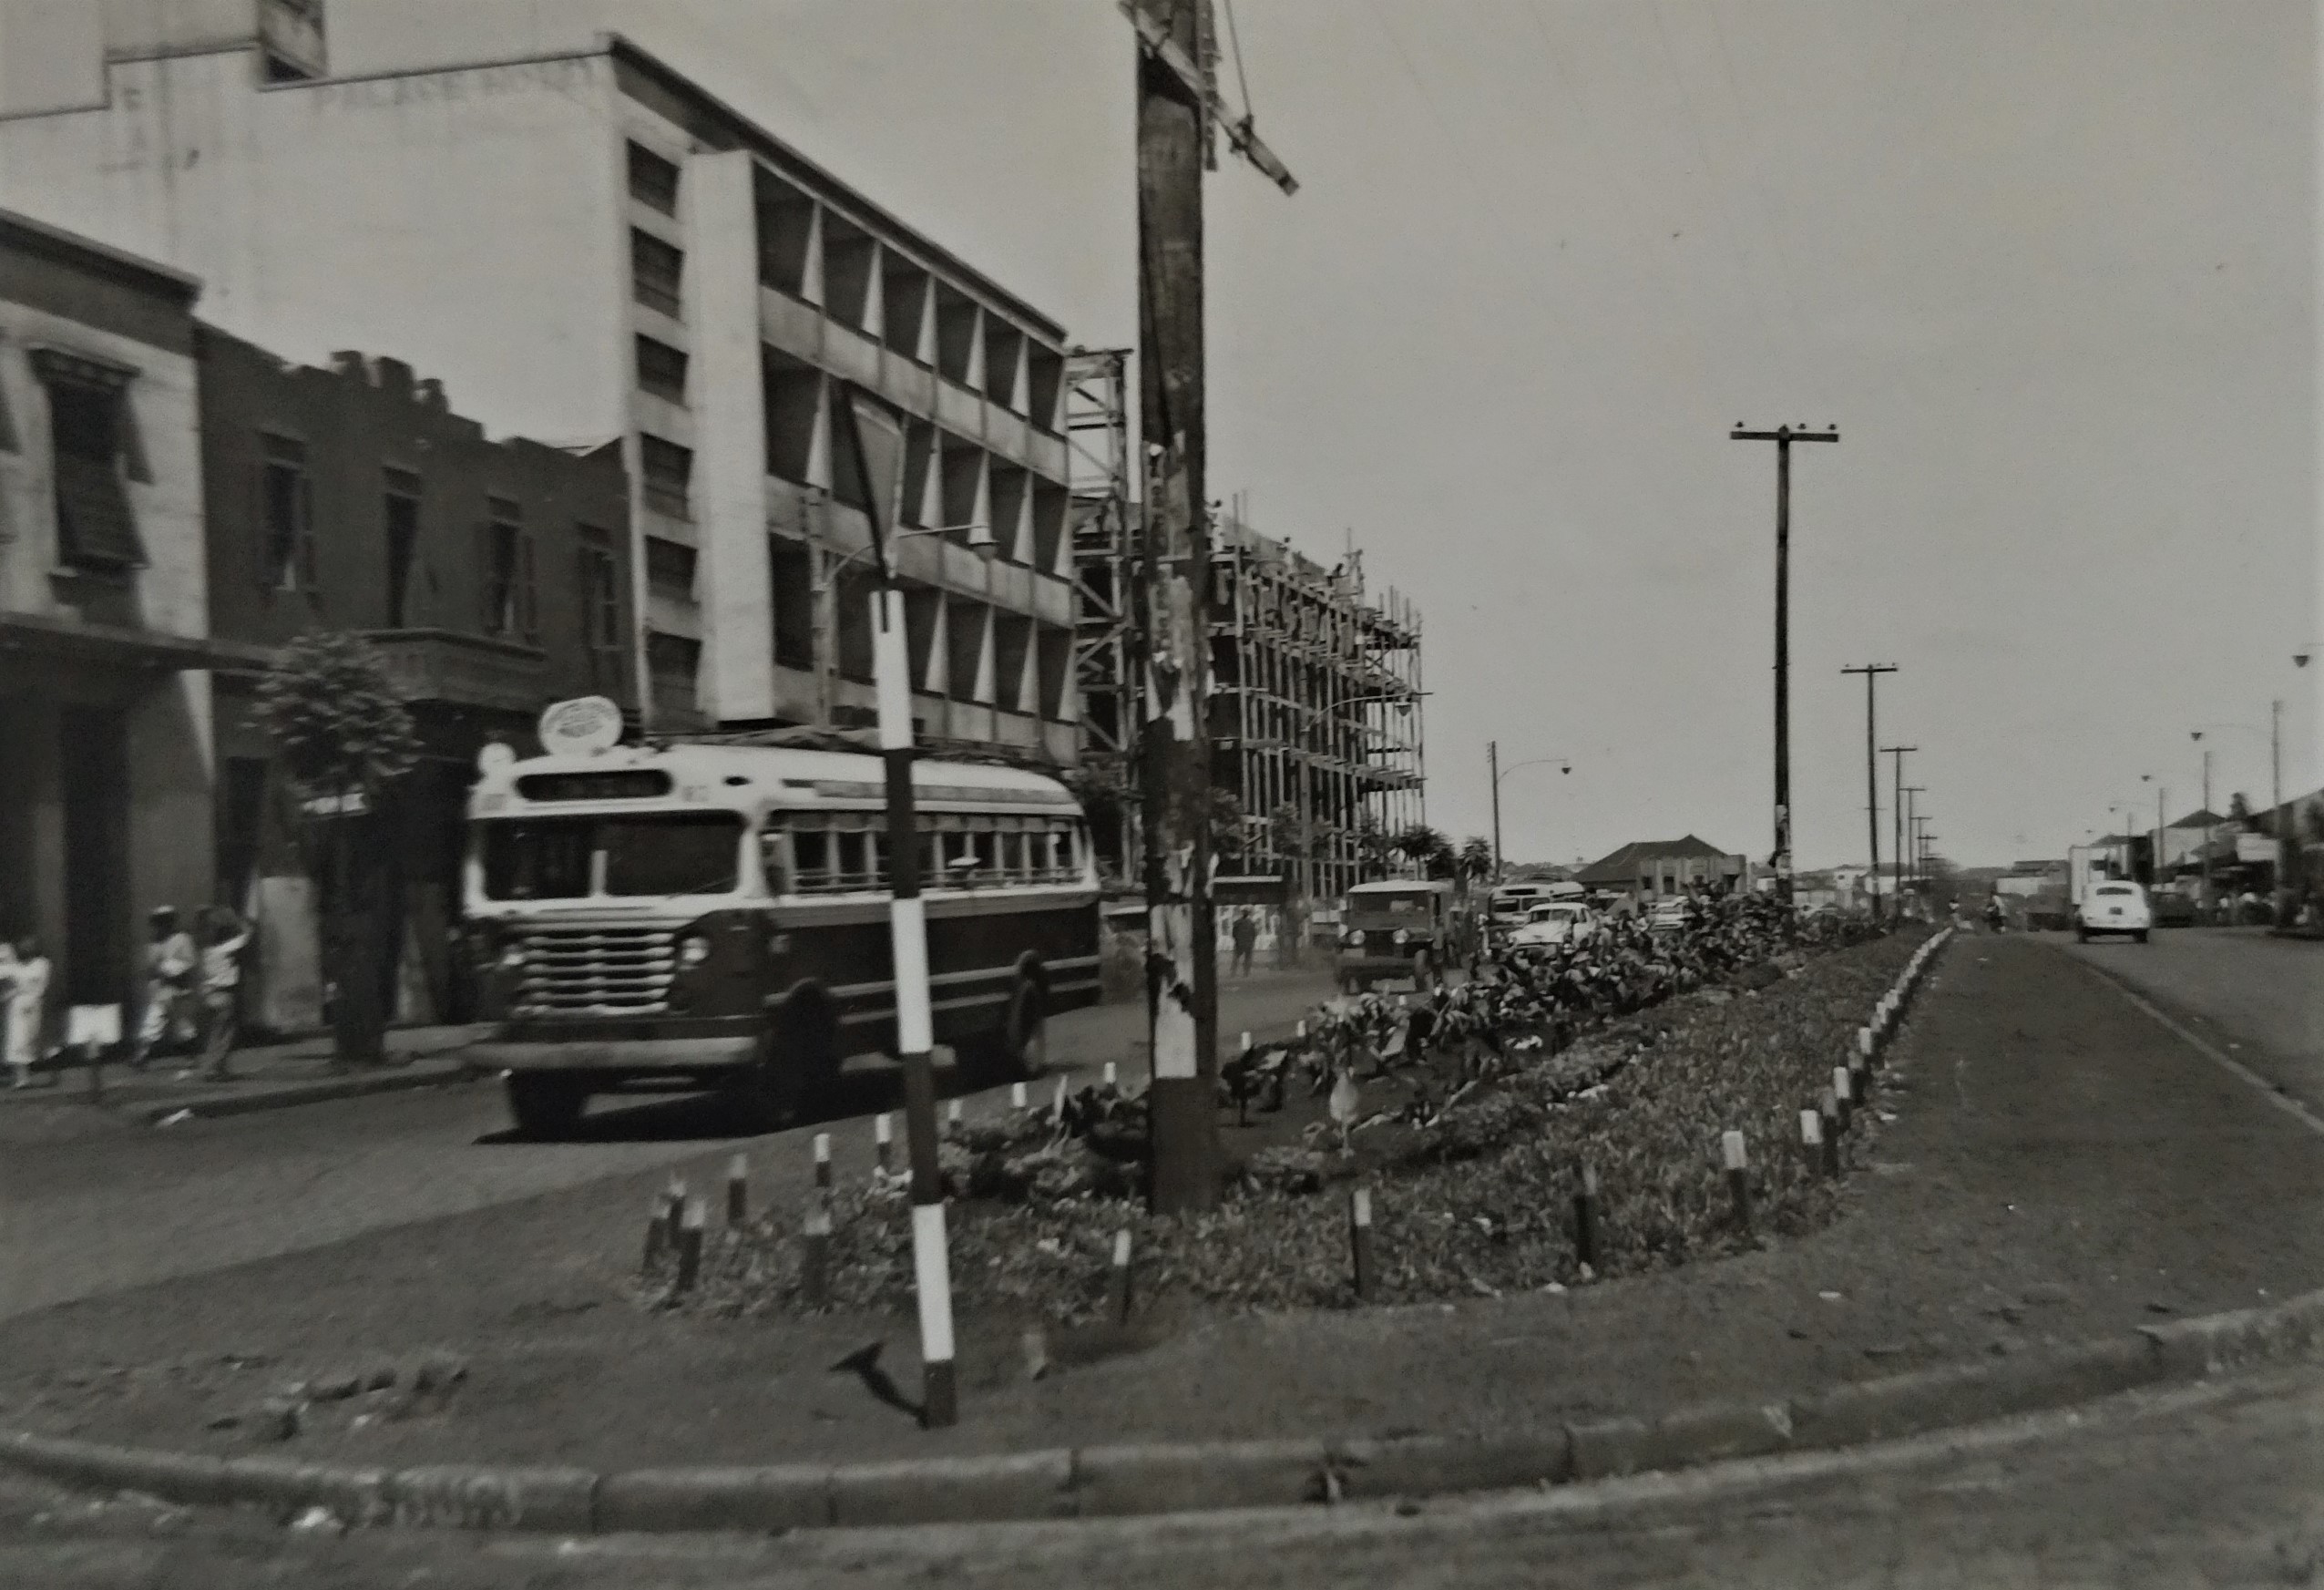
(42, 637)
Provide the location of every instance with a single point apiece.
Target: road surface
(2257, 996)
(2216, 1484)
(90, 1203)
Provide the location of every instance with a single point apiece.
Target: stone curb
(402, 1079)
(1126, 1480)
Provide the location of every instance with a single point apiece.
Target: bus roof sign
(582, 726)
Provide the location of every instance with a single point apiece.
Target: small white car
(1561, 922)
(2113, 907)
(1670, 916)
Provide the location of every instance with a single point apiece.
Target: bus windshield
(666, 853)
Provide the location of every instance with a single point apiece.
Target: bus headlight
(692, 950)
(1352, 936)
(1402, 936)
(511, 958)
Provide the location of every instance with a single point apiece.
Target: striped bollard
(657, 1232)
(1017, 1096)
(673, 1209)
(952, 1119)
(1831, 1133)
(1811, 1142)
(689, 1247)
(1118, 1290)
(884, 1141)
(1845, 1093)
(1864, 1044)
(1359, 1240)
(814, 1264)
(1738, 1178)
(1058, 1109)
(1110, 1074)
(738, 1190)
(1585, 1217)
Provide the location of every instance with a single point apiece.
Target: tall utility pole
(1493, 767)
(1872, 671)
(2210, 823)
(1783, 436)
(1895, 820)
(1178, 109)
(1912, 833)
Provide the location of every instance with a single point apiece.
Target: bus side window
(1013, 863)
(772, 863)
(810, 854)
(985, 846)
(1077, 849)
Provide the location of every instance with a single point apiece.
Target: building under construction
(1315, 693)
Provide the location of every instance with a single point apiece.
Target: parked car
(2171, 909)
(2113, 907)
(1563, 921)
(1670, 916)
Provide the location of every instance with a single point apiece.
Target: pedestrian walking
(24, 972)
(1247, 940)
(221, 989)
(170, 962)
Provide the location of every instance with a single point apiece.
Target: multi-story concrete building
(493, 577)
(105, 647)
(591, 248)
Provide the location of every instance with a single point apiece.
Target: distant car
(1670, 916)
(2171, 909)
(1562, 922)
(2114, 908)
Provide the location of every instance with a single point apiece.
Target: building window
(655, 268)
(672, 659)
(669, 567)
(653, 182)
(286, 516)
(791, 568)
(669, 471)
(401, 505)
(95, 531)
(601, 590)
(509, 608)
(661, 370)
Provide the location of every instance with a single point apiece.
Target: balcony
(442, 665)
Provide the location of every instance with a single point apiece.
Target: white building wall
(464, 221)
(729, 431)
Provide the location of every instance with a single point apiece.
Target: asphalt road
(2256, 997)
(91, 1202)
(2217, 1485)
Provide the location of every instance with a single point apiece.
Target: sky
(2050, 266)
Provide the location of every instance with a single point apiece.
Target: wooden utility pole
(1912, 833)
(1783, 436)
(1896, 824)
(1178, 106)
(1871, 672)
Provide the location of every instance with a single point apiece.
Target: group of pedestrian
(193, 989)
(24, 998)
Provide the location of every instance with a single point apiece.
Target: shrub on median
(1474, 1198)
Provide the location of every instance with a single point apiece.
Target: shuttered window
(95, 529)
(285, 515)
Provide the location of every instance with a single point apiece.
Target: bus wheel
(546, 1103)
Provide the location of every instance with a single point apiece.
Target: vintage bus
(716, 915)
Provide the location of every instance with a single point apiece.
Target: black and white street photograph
(1245, 795)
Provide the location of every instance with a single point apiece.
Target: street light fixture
(980, 542)
(1493, 759)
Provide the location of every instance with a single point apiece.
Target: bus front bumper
(637, 1049)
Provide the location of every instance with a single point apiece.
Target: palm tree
(1475, 858)
(1426, 848)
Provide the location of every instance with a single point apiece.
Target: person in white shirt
(170, 961)
(222, 981)
(26, 971)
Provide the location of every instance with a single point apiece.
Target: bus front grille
(597, 970)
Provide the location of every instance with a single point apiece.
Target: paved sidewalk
(263, 1077)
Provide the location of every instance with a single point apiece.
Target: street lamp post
(1492, 758)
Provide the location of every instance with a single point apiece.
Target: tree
(345, 736)
(1374, 847)
(1426, 848)
(1227, 825)
(1475, 858)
